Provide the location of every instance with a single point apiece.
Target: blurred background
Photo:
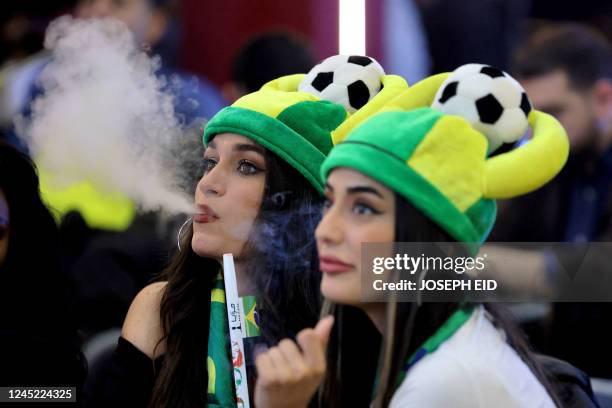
(204, 37)
(559, 51)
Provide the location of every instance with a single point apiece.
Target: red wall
(214, 30)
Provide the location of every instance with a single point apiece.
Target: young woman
(417, 176)
(259, 199)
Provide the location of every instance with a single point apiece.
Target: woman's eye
(327, 203)
(364, 209)
(209, 164)
(246, 167)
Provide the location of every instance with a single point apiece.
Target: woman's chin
(205, 248)
(208, 247)
(338, 292)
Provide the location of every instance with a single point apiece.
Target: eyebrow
(240, 147)
(363, 189)
(248, 148)
(356, 190)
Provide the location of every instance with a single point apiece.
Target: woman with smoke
(259, 199)
(416, 176)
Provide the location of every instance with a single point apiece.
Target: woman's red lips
(330, 264)
(204, 215)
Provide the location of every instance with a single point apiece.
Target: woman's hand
(288, 377)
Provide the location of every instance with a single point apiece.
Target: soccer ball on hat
(350, 81)
(492, 101)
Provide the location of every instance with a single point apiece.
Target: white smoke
(105, 117)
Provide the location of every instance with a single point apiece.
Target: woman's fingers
(314, 343)
(265, 369)
(323, 330)
(288, 376)
(292, 354)
(285, 363)
(282, 366)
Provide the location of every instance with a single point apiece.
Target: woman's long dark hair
(409, 326)
(36, 294)
(284, 268)
(284, 263)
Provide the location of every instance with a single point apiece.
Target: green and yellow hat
(439, 162)
(296, 126)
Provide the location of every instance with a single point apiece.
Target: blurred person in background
(39, 345)
(264, 58)
(404, 44)
(567, 71)
(22, 31)
(595, 13)
(461, 32)
(154, 26)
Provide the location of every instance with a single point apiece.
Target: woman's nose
(329, 230)
(213, 182)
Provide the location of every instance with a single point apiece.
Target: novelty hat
(296, 126)
(439, 162)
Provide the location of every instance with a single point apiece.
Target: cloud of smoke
(105, 117)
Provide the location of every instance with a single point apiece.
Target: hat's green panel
(314, 121)
(385, 167)
(273, 135)
(397, 132)
(483, 214)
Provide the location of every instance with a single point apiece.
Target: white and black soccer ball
(492, 101)
(350, 81)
